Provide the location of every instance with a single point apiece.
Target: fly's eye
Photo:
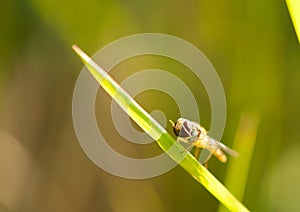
(185, 130)
(176, 131)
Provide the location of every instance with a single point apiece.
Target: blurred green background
(252, 45)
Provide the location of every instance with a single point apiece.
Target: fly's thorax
(203, 134)
(203, 137)
(203, 130)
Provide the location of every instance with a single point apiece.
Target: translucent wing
(211, 146)
(223, 147)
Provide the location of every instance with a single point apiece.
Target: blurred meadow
(254, 49)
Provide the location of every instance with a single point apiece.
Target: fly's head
(181, 128)
(176, 126)
(185, 128)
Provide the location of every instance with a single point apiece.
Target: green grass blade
(244, 143)
(162, 137)
(294, 8)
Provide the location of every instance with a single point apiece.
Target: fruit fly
(195, 135)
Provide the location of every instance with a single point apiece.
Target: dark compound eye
(187, 126)
(185, 130)
(176, 132)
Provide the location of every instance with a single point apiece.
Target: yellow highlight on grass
(294, 8)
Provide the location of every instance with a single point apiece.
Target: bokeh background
(252, 45)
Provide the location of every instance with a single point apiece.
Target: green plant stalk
(158, 133)
(244, 143)
(294, 9)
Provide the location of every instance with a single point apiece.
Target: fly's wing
(223, 147)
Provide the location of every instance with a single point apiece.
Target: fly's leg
(188, 148)
(197, 152)
(186, 140)
(197, 155)
(206, 164)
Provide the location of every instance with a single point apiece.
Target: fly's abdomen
(220, 155)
